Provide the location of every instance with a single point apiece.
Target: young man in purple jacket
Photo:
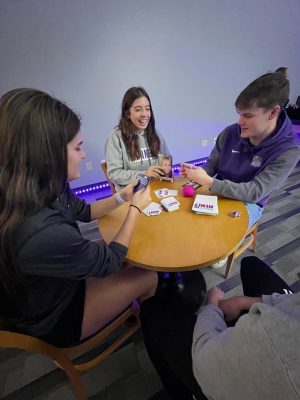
(254, 156)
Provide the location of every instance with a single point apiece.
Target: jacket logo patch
(145, 153)
(234, 151)
(145, 156)
(256, 161)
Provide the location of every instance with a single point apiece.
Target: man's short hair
(283, 70)
(266, 91)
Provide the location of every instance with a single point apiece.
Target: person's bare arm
(139, 201)
(102, 207)
(233, 306)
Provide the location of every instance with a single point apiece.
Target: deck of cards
(152, 209)
(207, 205)
(170, 204)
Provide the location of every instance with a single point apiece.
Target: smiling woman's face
(140, 113)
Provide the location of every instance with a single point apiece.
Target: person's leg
(106, 298)
(258, 278)
(186, 290)
(254, 213)
(168, 336)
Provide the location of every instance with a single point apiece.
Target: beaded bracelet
(132, 205)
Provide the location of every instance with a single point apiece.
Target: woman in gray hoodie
(133, 147)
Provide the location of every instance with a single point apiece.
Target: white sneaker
(220, 263)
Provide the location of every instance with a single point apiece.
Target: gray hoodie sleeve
(264, 183)
(275, 298)
(221, 354)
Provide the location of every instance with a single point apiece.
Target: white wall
(192, 56)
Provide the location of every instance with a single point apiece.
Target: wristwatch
(119, 199)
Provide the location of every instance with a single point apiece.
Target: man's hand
(196, 174)
(233, 306)
(214, 296)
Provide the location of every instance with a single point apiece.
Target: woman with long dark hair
(134, 145)
(54, 284)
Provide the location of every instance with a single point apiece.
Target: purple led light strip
(102, 186)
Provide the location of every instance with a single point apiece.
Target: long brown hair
(128, 130)
(35, 129)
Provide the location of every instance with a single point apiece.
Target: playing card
(152, 209)
(193, 184)
(142, 183)
(161, 193)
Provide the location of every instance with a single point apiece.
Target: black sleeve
(81, 211)
(60, 250)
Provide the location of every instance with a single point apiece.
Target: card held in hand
(165, 164)
(142, 183)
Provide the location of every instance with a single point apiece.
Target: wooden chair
(104, 169)
(250, 239)
(63, 357)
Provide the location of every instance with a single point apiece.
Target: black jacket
(50, 250)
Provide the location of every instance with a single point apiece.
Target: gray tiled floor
(128, 373)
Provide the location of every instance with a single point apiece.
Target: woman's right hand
(141, 198)
(154, 172)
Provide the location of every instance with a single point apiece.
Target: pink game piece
(188, 191)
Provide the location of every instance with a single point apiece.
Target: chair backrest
(62, 357)
(104, 169)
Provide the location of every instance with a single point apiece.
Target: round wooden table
(180, 240)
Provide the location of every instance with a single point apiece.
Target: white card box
(206, 205)
(170, 203)
(153, 209)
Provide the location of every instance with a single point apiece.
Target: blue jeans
(254, 213)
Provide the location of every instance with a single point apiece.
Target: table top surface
(180, 240)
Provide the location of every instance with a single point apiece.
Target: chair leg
(254, 233)
(252, 237)
(229, 264)
(67, 366)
